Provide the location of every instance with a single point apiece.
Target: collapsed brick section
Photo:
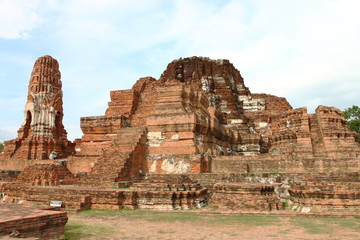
(338, 140)
(45, 175)
(272, 103)
(300, 141)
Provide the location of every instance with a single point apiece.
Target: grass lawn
(144, 224)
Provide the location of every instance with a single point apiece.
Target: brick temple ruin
(195, 137)
(42, 130)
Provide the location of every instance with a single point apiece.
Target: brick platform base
(25, 221)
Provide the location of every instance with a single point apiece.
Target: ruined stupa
(42, 131)
(198, 117)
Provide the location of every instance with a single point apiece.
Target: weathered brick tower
(42, 130)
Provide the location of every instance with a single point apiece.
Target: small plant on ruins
(352, 115)
(1, 146)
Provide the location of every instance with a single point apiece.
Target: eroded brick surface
(45, 175)
(245, 196)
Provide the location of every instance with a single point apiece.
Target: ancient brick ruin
(42, 131)
(200, 117)
(195, 137)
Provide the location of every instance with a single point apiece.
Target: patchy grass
(81, 230)
(353, 224)
(146, 224)
(311, 226)
(326, 225)
(171, 217)
(248, 220)
(148, 215)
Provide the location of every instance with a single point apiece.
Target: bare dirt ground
(154, 225)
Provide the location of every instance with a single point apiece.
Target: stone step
(111, 166)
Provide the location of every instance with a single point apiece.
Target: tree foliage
(352, 115)
(1, 146)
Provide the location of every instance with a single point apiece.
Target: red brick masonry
(25, 221)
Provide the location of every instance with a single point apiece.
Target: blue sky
(307, 51)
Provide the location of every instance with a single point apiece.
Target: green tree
(1, 146)
(352, 115)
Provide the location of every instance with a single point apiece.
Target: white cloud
(18, 18)
(300, 50)
(300, 46)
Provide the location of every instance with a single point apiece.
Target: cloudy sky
(307, 51)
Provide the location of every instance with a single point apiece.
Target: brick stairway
(229, 99)
(158, 102)
(120, 162)
(317, 141)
